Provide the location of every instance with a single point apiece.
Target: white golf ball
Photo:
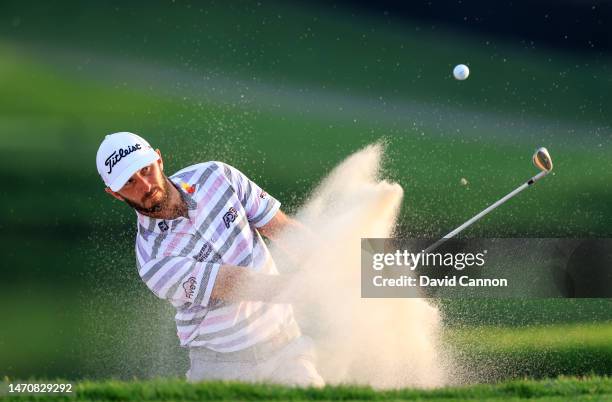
(461, 72)
(463, 181)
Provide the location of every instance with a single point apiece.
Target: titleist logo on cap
(116, 156)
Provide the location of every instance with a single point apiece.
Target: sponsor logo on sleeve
(263, 195)
(190, 286)
(230, 216)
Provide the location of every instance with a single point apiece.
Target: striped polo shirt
(179, 259)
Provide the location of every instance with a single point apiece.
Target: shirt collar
(186, 191)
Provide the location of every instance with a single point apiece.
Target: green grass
(547, 337)
(509, 313)
(536, 351)
(560, 389)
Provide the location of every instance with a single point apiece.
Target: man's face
(147, 190)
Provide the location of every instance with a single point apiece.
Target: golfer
(199, 246)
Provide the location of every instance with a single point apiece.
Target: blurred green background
(283, 91)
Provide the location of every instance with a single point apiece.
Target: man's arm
(296, 235)
(280, 222)
(236, 283)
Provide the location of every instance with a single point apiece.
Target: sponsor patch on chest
(229, 217)
(204, 252)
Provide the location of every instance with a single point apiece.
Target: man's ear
(114, 194)
(160, 161)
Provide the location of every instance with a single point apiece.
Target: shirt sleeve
(260, 206)
(180, 279)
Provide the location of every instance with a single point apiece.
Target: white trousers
(294, 364)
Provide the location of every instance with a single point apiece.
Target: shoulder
(198, 168)
(201, 172)
(205, 169)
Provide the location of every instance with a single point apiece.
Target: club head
(542, 160)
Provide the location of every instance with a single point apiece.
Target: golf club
(541, 159)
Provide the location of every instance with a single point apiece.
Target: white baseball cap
(120, 156)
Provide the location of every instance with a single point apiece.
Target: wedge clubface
(541, 158)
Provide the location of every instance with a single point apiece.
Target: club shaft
(485, 211)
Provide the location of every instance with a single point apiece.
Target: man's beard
(155, 208)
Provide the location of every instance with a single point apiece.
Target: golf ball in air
(461, 72)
